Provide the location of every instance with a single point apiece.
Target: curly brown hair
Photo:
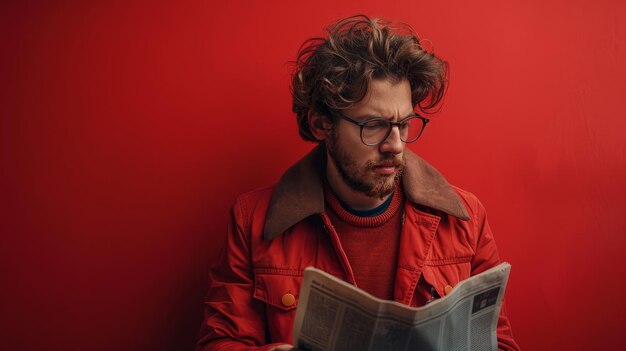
(334, 73)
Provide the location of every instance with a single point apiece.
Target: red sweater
(370, 243)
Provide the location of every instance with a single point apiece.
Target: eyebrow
(374, 116)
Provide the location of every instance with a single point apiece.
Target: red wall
(127, 129)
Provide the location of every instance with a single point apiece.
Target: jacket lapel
(299, 193)
(424, 185)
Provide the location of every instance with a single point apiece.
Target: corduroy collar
(300, 194)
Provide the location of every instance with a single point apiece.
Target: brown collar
(299, 193)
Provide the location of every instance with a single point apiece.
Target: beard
(364, 179)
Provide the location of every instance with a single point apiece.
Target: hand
(285, 347)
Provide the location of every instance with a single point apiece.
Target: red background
(128, 128)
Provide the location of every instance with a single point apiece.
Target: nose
(392, 144)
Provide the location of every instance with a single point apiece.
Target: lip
(385, 169)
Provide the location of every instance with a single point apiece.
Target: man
(360, 205)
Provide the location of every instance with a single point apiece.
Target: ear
(320, 126)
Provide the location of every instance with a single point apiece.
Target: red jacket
(275, 233)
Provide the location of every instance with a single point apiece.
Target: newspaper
(334, 315)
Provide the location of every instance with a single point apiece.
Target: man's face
(371, 170)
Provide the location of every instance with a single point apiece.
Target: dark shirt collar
(368, 213)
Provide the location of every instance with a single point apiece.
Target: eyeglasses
(376, 130)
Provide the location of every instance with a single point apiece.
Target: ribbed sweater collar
(364, 222)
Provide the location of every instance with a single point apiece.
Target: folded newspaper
(334, 315)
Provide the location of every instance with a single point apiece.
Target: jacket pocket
(278, 290)
(446, 272)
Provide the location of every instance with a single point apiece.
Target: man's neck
(354, 199)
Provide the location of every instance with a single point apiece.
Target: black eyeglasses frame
(362, 124)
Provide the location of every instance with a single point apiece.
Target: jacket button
(447, 289)
(288, 300)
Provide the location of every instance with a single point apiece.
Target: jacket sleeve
(233, 319)
(485, 257)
